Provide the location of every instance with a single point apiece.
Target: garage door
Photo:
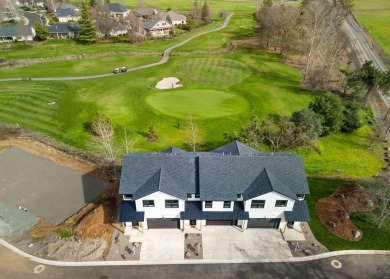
(264, 223)
(164, 223)
(220, 222)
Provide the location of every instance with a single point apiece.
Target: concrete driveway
(219, 243)
(48, 190)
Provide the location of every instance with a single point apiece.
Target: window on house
(197, 196)
(171, 204)
(281, 203)
(148, 203)
(239, 196)
(128, 196)
(301, 196)
(208, 204)
(257, 203)
(189, 196)
(227, 204)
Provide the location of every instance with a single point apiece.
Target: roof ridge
(284, 186)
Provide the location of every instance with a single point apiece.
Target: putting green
(201, 103)
(215, 71)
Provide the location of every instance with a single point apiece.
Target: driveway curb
(124, 263)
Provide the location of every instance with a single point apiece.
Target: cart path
(165, 58)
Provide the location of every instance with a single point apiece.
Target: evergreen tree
(88, 29)
(41, 32)
(206, 12)
(330, 110)
(351, 117)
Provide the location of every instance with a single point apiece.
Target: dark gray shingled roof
(173, 150)
(193, 211)
(174, 175)
(66, 12)
(14, 31)
(146, 11)
(300, 212)
(64, 28)
(223, 177)
(117, 8)
(236, 148)
(128, 212)
(266, 182)
(213, 175)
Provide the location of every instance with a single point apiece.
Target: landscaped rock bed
(335, 210)
(123, 250)
(307, 248)
(193, 247)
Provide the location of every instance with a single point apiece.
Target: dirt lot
(94, 223)
(335, 210)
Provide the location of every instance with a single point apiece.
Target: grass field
(373, 238)
(221, 91)
(374, 15)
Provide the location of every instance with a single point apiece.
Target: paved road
(165, 58)
(34, 17)
(353, 266)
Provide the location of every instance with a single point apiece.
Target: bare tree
(192, 132)
(382, 193)
(52, 5)
(103, 140)
(132, 23)
(103, 19)
(195, 11)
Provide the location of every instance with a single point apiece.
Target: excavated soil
(93, 223)
(334, 211)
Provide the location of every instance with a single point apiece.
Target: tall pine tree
(206, 13)
(88, 29)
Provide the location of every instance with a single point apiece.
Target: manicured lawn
(202, 104)
(80, 67)
(373, 238)
(345, 155)
(374, 15)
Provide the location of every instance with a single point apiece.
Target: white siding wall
(159, 210)
(269, 210)
(217, 206)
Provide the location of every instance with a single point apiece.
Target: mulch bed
(193, 247)
(334, 211)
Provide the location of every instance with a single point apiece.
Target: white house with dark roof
(155, 27)
(67, 12)
(233, 185)
(118, 10)
(16, 33)
(173, 18)
(64, 31)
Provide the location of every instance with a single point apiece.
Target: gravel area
(14, 221)
(123, 250)
(193, 246)
(307, 248)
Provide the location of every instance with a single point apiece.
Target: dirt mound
(335, 210)
(98, 222)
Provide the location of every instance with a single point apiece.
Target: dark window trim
(208, 204)
(171, 203)
(148, 203)
(189, 196)
(281, 203)
(197, 196)
(258, 204)
(226, 205)
(239, 196)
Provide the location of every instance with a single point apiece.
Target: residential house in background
(117, 10)
(64, 31)
(233, 185)
(67, 12)
(147, 13)
(173, 18)
(155, 27)
(118, 30)
(17, 33)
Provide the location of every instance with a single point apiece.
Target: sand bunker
(168, 83)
